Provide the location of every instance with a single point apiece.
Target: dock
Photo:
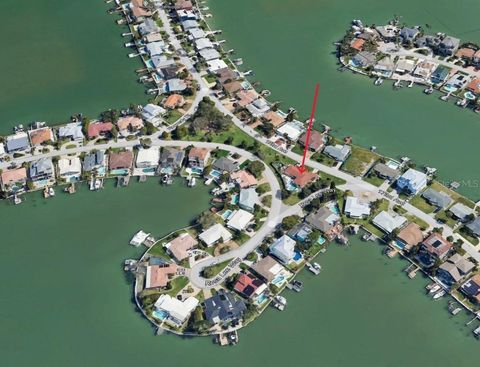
(225, 339)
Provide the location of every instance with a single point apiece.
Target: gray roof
(364, 58)
(450, 42)
(209, 54)
(437, 198)
(248, 198)
(474, 226)
(43, 166)
(225, 164)
(224, 306)
(189, 24)
(339, 152)
(20, 143)
(384, 171)
(172, 157)
(92, 160)
(176, 85)
(461, 211)
(318, 219)
(148, 26)
(409, 34)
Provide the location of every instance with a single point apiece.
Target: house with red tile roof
(179, 246)
(301, 179)
(244, 179)
(13, 180)
(158, 276)
(434, 247)
(120, 160)
(474, 86)
(173, 101)
(129, 125)
(183, 5)
(357, 44)
(41, 136)
(465, 53)
(274, 118)
(316, 142)
(198, 157)
(138, 9)
(249, 286)
(95, 129)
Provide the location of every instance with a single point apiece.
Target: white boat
(51, 191)
(434, 289)
(279, 306)
(439, 294)
(428, 90)
(280, 299)
(139, 238)
(476, 332)
(317, 266)
(313, 269)
(17, 200)
(411, 84)
(192, 182)
(378, 81)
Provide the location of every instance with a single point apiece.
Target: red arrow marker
(309, 131)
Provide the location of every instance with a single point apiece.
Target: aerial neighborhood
(269, 216)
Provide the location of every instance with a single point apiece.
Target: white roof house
(355, 208)
(215, 65)
(71, 131)
(283, 249)
(388, 223)
(209, 54)
(177, 312)
(152, 112)
(258, 107)
(148, 158)
(2, 149)
(291, 130)
(214, 234)
(202, 43)
(197, 33)
(155, 48)
(69, 168)
(412, 181)
(247, 199)
(239, 220)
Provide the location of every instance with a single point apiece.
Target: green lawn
(359, 161)
(420, 203)
(374, 179)
(157, 250)
(443, 217)
(454, 195)
(467, 236)
(267, 201)
(420, 222)
(173, 116)
(211, 271)
(176, 285)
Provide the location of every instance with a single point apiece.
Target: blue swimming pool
(149, 170)
(399, 244)
(290, 186)
(120, 172)
(260, 299)
(197, 170)
(321, 240)
(298, 256)
(167, 170)
(226, 214)
(234, 200)
(215, 173)
(278, 280)
(161, 315)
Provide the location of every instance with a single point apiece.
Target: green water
(60, 58)
(66, 301)
(289, 45)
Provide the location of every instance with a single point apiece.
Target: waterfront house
(412, 181)
(388, 33)
(183, 5)
(43, 135)
(17, 142)
(274, 118)
(474, 226)
(456, 82)
(291, 130)
(300, 232)
(138, 10)
(363, 59)
(283, 249)
(388, 222)
(357, 44)
(226, 75)
(224, 164)
(461, 211)
(72, 131)
(41, 172)
(202, 43)
(129, 125)
(448, 46)
(260, 106)
(152, 114)
(99, 128)
(155, 48)
(216, 65)
(168, 72)
(249, 286)
(214, 234)
(158, 276)
(409, 237)
(355, 208)
(94, 161)
(434, 247)
(13, 181)
(269, 269)
(69, 169)
(456, 268)
(148, 159)
(338, 152)
(248, 198)
(172, 158)
(209, 54)
(175, 85)
(245, 97)
(385, 67)
(476, 58)
(408, 35)
(474, 86)
(152, 37)
(224, 308)
(326, 221)
(439, 199)
(197, 33)
(149, 26)
(2, 149)
(244, 179)
(405, 66)
(173, 101)
(386, 172)
(471, 288)
(184, 14)
(178, 247)
(174, 311)
(424, 69)
(440, 75)
(465, 53)
(239, 220)
(316, 143)
(120, 161)
(189, 24)
(425, 41)
(161, 62)
(298, 178)
(198, 157)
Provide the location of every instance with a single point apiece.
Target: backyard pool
(161, 315)
(120, 172)
(297, 256)
(215, 174)
(234, 200)
(226, 214)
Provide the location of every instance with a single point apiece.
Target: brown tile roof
(133, 122)
(180, 245)
(264, 267)
(477, 54)
(245, 97)
(14, 175)
(474, 86)
(232, 87)
(97, 128)
(120, 160)
(411, 235)
(183, 5)
(139, 10)
(316, 140)
(158, 275)
(357, 44)
(466, 53)
(225, 75)
(39, 136)
(199, 153)
(274, 118)
(301, 179)
(174, 101)
(436, 245)
(244, 179)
